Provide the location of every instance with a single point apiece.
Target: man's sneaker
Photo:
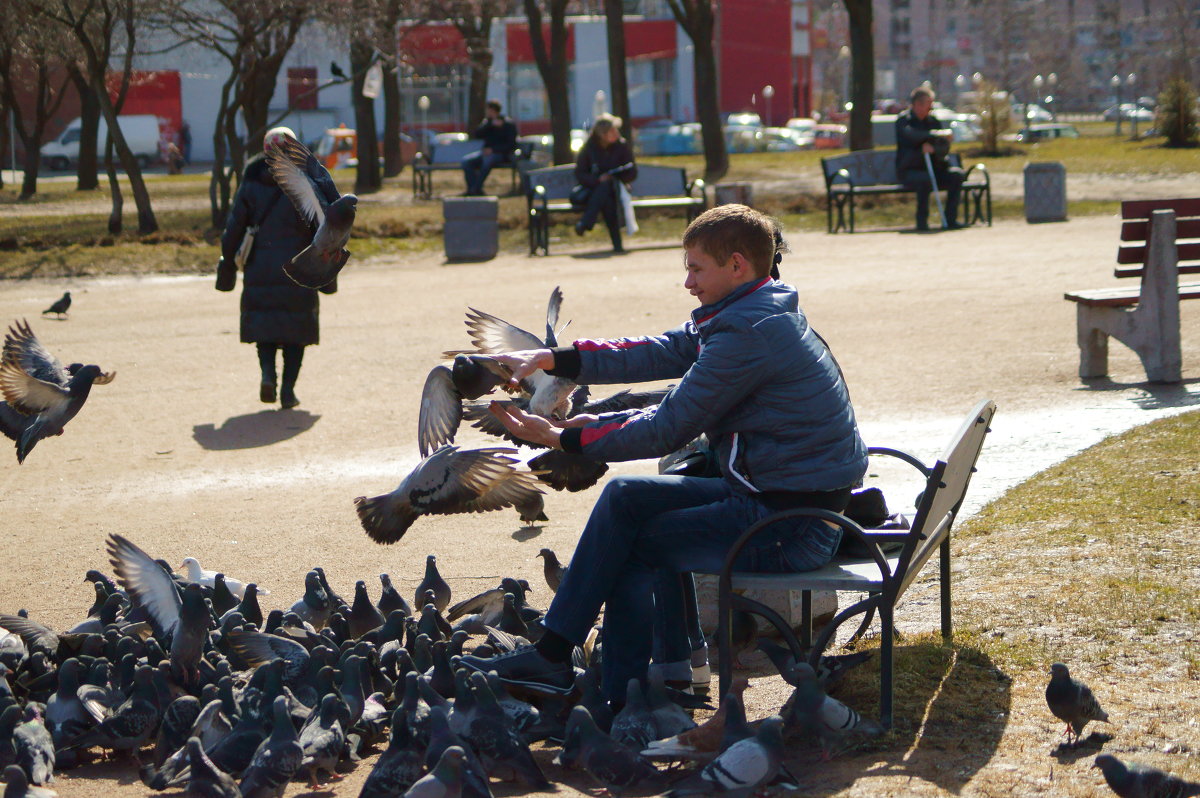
(701, 672)
(525, 666)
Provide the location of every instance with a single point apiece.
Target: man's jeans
(642, 534)
(476, 168)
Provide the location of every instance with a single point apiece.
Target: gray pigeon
(473, 775)
(399, 767)
(441, 413)
(390, 599)
(670, 718)
(34, 748)
(831, 721)
(322, 740)
(206, 780)
(176, 726)
(317, 264)
(726, 727)
(277, 759)
(445, 780)
(432, 581)
(616, 766)
(634, 724)
(132, 723)
(16, 785)
(1072, 701)
(35, 383)
(314, 606)
(1142, 781)
(65, 715)
(552, 569)
(742, 768)
(496, 741)
(363, 615)
(60, 306)
(447, 482)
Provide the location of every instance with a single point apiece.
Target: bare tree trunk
(393, 158)
(618, 83)
(218, 184)
(862, 72)
(553, 68)
(87, 176)
(480, 53)
(367, 179)
(697, 18)
(47, 100)
(115, 222)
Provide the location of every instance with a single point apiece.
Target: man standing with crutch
(922, 144)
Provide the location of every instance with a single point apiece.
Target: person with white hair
(263, 232)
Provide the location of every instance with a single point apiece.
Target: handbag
(580, 194)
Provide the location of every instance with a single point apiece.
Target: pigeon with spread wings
(318, 264)
(36, 385)
(447, 482)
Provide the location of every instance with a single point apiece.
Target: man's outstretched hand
(535, 429)
(524, 363)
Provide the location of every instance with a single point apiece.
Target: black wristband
(571, 440)
(567, 362)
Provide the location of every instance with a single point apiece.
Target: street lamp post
(960, 83)
(423, 104)
(1131, 81)
(843, 58)
(1115, 82)
(768, 92)
(1051, 84)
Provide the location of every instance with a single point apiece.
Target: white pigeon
(209, 578)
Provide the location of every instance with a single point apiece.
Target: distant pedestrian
(277, 313)
(185, 142)
(499, 136)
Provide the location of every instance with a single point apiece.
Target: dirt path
(178, 454)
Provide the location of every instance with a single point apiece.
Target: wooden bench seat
(1156, 237)
(883, 577)
(548, 192)
(873, 172)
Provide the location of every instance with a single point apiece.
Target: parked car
(804, 128)
(743, 138)
(1129, 111)
(743, 119)
(1045, 132)
(829, 137)
(141, 134)
(338, 148)
(1036, 113)
(785, 139)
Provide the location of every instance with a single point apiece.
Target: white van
(141, 133)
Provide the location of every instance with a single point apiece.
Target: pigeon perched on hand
(1142, 781)
(36, 385)
(1072, 701)
(317, 264)
(447, 482)
(60, 306)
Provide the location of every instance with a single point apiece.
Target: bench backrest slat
(455, 151)
(950, 478)
(871, 167)
(651, 181)
(1139, 229)
(1137, 253)
(1141, 209)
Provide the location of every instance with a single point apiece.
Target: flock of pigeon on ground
(236, 703)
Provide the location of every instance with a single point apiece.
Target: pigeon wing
(743, 766)
(552, 310)
(449, 480)
(441, 411)
(35, 636)
(147, 583)
(257, 648)
(31, 378)
(493, 336)
(485, 600)
(287, 161)
(520, 487)
(482, 420)
(625, 400)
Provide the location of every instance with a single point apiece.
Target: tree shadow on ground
(951, 707)
(254, 429)
(1151, 395)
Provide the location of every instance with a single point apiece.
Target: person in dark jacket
(754, 377)
(277, 313)
(604, 159)
(499, 136)
(919, 132)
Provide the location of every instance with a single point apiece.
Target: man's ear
(741, 266)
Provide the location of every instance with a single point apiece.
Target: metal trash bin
(1045, 192)
(733, 193)
(471, 228)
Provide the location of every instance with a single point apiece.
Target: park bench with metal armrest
(1146, 318)
(444, 157)
(884, 576)
(873, 172)
(548, 191)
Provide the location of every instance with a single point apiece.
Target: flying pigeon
(742, 768)
(60, 306)
(469, 377)
(449, 481)
(1072, 701)
(616, 766)
(1142, 781)
(318, 264)
(36, 384)
(829, 719)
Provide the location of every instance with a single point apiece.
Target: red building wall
(754, 41)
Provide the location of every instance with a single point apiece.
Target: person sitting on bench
(920, 133)
(758, 380)
(499, 136)
(604, 159)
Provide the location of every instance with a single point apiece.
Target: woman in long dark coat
(277, 313)
(604, 159)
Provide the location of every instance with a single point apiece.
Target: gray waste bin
(471, 228)
(1045, 192)
(733, 193)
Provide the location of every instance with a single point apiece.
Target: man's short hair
(721, 231)
(919, 93)
(494, 105)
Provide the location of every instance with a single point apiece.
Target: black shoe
(922, 227)
(287, 398)
(954, 226)
(580, 229)
(526, 667)
(266, 393)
